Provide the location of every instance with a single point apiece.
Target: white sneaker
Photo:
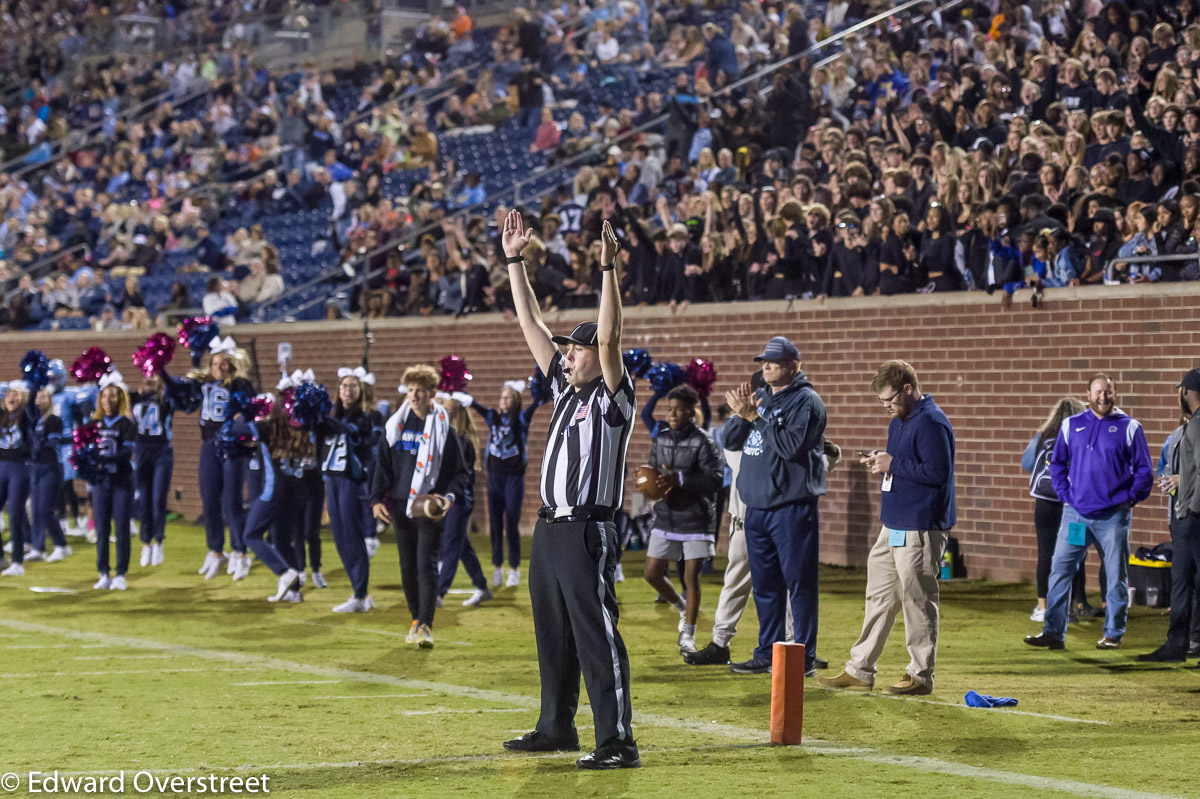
(8, 547)
(15, 570)
(303, 578)
(319, 580)
(372, 543)
(480, 596)
(283, 584)
(118, 583)
(144, 560)
(243, 568)
(214, 568)
(1038, 615)
(619, 577)
(687, 643)
(35, 555)
(156, 554)
(59, 553)
(497, 577)
(354, 605)
(514, 578)
(208, 562)
(292, 596)
(231, 562)
(103, 583)
(90, 535)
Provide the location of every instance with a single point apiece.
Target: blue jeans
(1109, 532)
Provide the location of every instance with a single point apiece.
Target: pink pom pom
(87, 435)
(89, 367)
(701, 375)
(153, 356)
(261, 407)
(454, 374)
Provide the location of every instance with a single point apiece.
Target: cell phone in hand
(863, 454)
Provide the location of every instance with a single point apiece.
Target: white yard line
(288, 682)
(353, 629)
(125, 657)
(438, 711)
(1001, 710)
(142, 672)
(369, 696)
(911, 762)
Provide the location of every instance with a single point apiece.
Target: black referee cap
(583, 335)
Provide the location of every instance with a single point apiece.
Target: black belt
(579, 513)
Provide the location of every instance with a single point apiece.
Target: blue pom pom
(310, 405)
(231, 442)
(637, 362)
(241, 402)
(185, 395)
(539, 387)
(35, 370)
(58, 375)
(664, 376)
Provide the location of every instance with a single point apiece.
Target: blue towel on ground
(974, 699)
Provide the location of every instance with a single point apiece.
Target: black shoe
(1193, 651)
(536, 742)
(820, 664)
(707, 566)
(752, 666)
(711, 655)
(611, 756)
(1163, 655)
(1044, 640)
(1086, 611)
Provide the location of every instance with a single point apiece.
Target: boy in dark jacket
(691, 473)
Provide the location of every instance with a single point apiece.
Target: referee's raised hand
(515, 236)
(609, 245)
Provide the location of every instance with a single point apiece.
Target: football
(648, 483)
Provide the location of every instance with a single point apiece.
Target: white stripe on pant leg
(608, 625)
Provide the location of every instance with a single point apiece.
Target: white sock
(689, 629)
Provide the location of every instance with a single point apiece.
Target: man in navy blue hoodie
(917, 511)
(781, 433)
(1100, 468)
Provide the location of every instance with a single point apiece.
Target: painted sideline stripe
(125, 657)
(1001, 710)
(353, 629)
(912, 762)
(143, 672)
(438, 711)
(289, 682)
(369, 696)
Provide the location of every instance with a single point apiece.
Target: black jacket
(453, 476)
(692, 453)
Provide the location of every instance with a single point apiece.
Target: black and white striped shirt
(584, 463)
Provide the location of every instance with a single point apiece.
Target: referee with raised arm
(574, 556)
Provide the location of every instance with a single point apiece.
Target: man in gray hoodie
(780, 431)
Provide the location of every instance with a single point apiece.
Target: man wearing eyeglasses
(780, 431)
(917, 511)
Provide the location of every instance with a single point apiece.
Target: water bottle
(947, 563)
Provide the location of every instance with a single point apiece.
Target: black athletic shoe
(752, 666)
(820, 664)
(711, 655)
(611, 756)
(1163, 655)
(1043, 640)
(1193, 651)
(536, 742)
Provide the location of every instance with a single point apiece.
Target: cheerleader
(18, 417)
(72, 405)
(456, 545)
(45, 482)
(221, 479)
(348, 439)
(418, 456)
(308, 534)
(154, 458)
(112, 492)
(282, 448)
(508, 430)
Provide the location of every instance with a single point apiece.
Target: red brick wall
(995, 373)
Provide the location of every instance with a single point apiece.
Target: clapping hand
(741, 401)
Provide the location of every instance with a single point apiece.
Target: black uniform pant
(575, 614)
(419, 541)
(1185, 560)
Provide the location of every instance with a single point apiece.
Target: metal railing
(360, 262)
(1180, 259)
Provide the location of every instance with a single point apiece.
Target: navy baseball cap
(584, 335)
(1191, 381)
(779, 348)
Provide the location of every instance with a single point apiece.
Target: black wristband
(513, 259)
(608, 268)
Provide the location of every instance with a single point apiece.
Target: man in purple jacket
(1100, 468)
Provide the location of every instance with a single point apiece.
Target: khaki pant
(736, 590)
(901, 578)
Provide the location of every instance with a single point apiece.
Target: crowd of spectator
(967, 146)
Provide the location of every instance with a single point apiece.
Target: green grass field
(182, 677)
